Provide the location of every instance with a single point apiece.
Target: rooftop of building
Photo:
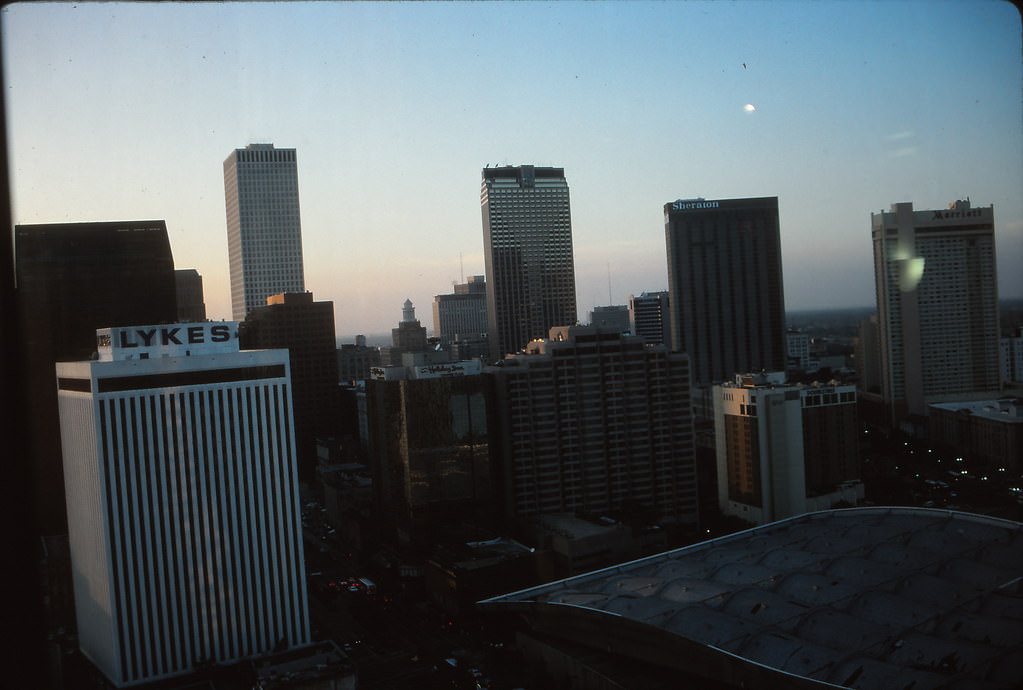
(302, 666)
(863, 597)
(519, 171)
(572, 526)
(1007, 410)
(479, 554)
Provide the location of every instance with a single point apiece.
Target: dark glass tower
(725, 286)
(293, 321)
(73, 278)
(527, 238)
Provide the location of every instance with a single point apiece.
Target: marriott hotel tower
(937, 305)
(182, 498)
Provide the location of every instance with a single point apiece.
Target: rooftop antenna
(461, 266)
(609, 299)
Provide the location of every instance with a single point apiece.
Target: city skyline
(395, 107)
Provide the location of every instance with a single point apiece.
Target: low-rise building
(989, 432)
(782, 449)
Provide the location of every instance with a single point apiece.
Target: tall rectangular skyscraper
(527, 238)
(937, 304)
(725, 285)
(72, 279)
(264, 228)
(183, 503)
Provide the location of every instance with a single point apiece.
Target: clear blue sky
(127, 111)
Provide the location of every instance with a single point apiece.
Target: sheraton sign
(685, 205)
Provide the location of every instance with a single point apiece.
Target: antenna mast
(609, 299)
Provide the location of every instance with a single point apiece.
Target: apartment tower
(182, 499)
(937, 305)
(595, 421)
(264, 229)
(527, 238)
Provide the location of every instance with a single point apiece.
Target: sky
(122, 111)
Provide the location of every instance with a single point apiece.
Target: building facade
(305, 328)
(591, 420)
(725, 286)
(650, 317)
(429, 446)
(612, 316)
(527, 240)
(988, 432)
(73, 278)
(937, 304)
(783, 450)
(191, 303)
(183, 503)
(462, 315)
(264, 227)
(1012, 357)
(354, 360)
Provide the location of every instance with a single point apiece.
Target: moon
(749, 107)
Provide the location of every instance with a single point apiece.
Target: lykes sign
(172, 335)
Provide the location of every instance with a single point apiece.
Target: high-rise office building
(182, 500)
(191, 303)
(527, 239)
(264, 228)
(650, 318)
(294, 322)
(591, 420)
(429, 447)
(937, 304)
(354, 360)
(462, 314)
(725, 285)
(784, 450)
(73, 278)
(614, 316)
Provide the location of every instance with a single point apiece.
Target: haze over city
(127, 111)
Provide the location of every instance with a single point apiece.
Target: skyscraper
(463, 313)
(429, 448)
(527, 239)
(650, 318)
(611, 316)
(294, 322)
(264, 228)
(182, 500)
(191, 305)
(937, 304)
(73, 278)
(725, 285)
